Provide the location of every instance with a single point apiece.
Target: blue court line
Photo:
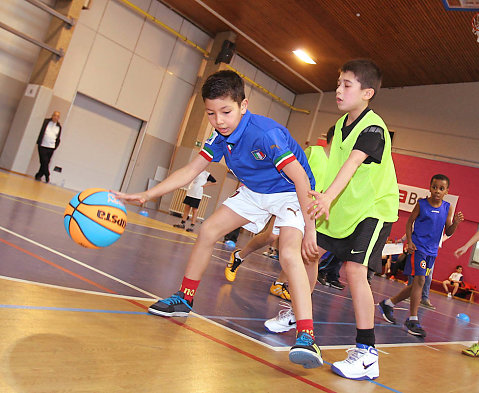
(385, 387)
(13, 306)
(230, 319)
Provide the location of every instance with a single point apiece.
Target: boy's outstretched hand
(460, 251)
(140, 197)
(458, 217)
(319, 206)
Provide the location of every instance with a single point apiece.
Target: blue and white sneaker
(173, 306)
(305, 352)
(362, 363)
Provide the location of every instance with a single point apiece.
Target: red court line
(69, 272)
(253, 357)
(194, 330)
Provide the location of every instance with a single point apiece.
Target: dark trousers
(45, 154)
(233, 235)
(332, 271)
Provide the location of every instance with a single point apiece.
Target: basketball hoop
(475, 25)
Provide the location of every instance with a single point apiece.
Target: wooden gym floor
(73, 319)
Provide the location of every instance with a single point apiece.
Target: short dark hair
(330, 134)
(367, 73)
(440, 177)
(459, 266)
(224, 83)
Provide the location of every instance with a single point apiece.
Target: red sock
(188, 287)
(305, 325)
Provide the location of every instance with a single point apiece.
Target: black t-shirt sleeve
(211, 179)
(371, 142)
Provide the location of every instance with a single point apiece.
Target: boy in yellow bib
(358, 205)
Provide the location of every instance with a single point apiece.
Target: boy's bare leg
(221, 222)
(260, 240)
(444, 285)
(363, 301)
(290, 240)
(456, 287)
(282, 277)
(416, 293)
(404, 294)
(186, 213)
(194, 215)
(312, 269)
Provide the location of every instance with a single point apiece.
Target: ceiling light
(304, 56)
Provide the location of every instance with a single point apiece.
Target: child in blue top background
(431, 216)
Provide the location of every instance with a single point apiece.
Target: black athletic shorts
(365, 245)
(193, 202)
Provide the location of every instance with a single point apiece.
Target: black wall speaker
(226, 53)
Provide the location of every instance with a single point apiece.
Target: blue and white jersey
(256, 152)
(429, 225)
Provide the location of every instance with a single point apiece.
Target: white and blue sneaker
(305, 352)
(362, 363)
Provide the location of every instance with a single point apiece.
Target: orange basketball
(95, 218)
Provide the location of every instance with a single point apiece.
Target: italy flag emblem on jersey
(258, 155)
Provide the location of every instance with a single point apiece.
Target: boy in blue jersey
(431, 216)
(276, 177)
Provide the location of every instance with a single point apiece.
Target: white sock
(415, 318)
(389, 303)
(278, 283)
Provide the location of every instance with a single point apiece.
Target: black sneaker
(387, 312)
(414, 328)
(180, 225)
(321, 278)
(336, 284)
(173, 306)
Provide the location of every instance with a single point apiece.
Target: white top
(455, 276)
(50, 136)
(195, 189)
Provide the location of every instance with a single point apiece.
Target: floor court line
(78, 262)
(302, 379)
(129, 285)
(197, 315)
(88, 310)
(192, 329)
(198, 331)
(254, 357)
(146, 299)
(232, 347)
(80, 277)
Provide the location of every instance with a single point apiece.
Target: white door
(96, 146)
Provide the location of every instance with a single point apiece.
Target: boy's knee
(420, 279)
(355, 269)
(209, 232)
